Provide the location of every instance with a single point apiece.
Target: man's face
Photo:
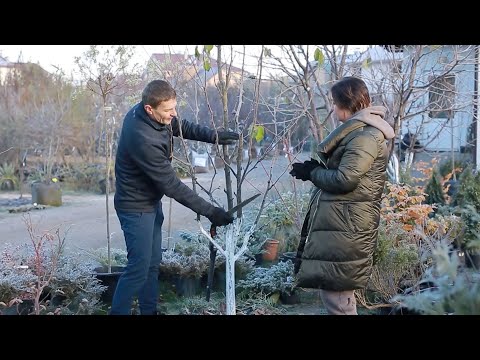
(164, 112)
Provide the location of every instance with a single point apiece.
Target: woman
(340, 230)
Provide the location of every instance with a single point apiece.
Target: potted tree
(471, 236)
(104, 257)
(184, 267)
(468, 202)
(105, 71)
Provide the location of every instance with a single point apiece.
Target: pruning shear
(213, 228)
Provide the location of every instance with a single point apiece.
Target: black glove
(313, 163)
(302, 170)
(227, 137)
(219, 217)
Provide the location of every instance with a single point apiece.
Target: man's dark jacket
(143, 167)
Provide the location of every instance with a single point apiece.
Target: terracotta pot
(271, 250)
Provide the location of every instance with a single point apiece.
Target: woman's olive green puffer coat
(341, 227)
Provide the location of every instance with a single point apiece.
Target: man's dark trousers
(143, 238)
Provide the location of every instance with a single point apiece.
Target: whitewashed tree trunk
(409, 157)
(230, 273)
(231, 236)
(393, 169)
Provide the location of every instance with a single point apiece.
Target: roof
(5, 63)
(180, 59)
(375, 54)
(176, 59)
(233, 69)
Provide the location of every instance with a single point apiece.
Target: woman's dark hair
(156, 92)
(351, 93)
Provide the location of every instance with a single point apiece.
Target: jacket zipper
(313, 217)
(323, 163)
(170, 135)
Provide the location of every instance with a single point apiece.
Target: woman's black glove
(302, 171)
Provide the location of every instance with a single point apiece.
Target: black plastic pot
(25, 308)
(187, 286)
(7, 185)
(109, 280)
(290, 299)
(291, 255)
(259, 259)
(472, 260)
(453, 189)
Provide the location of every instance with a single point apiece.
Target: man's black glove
(227, 137)
(219, 217)
(302, 170)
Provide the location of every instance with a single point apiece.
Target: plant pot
(110, 280)
(290, 299)
(291, 255)
(187, 286)
(472, 260)
(219, 280)
(398, 311)
(46, 194)
(181, 285)
(259, 259)
(453, 189)
(271, 250)
(7, 185)
(24, 308)
(102, 184)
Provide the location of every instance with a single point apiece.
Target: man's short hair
(157, 91)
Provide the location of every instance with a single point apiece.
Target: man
(144, 174)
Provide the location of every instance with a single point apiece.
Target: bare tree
(106, 74)
(34, 105)
(428, 91)
(222, 83)
(309, 71)
(47, 125)
(425, 88)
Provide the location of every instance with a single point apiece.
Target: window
(376, 99)
(441, 97)
(354, 70)
(396, 67)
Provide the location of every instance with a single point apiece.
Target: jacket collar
(337, 135)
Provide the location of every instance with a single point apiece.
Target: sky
(50, 56)
(62, 56)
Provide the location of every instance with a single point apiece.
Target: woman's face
(341, 114)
